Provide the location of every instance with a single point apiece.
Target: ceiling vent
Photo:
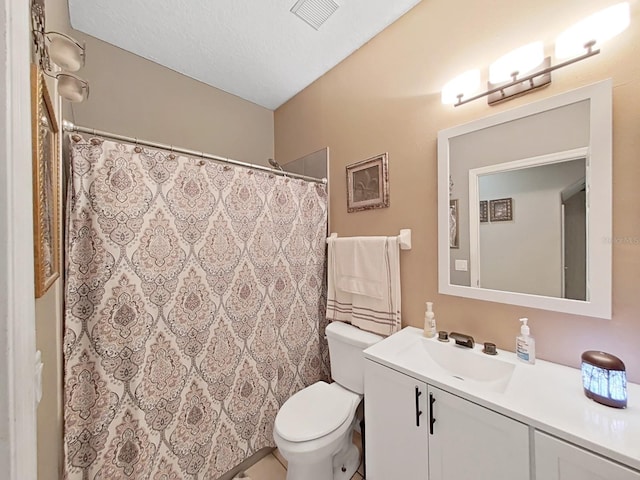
(314, 12)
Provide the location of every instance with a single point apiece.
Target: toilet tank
(346, 344)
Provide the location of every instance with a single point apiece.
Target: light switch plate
(461, 265)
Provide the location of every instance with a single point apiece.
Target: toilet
(313, 429)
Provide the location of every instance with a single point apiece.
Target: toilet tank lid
(351, 334)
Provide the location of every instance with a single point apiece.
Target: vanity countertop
(546, 396)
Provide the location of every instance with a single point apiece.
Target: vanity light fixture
(520, 60)
(525, 69)
(517, 63)
(59, 50)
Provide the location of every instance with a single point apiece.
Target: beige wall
(138, 98)
(385, 98)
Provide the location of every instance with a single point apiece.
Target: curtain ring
(171, 154)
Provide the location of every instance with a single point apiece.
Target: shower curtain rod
(70, 127)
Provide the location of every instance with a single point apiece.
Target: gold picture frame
(46, 185)
(368, 184)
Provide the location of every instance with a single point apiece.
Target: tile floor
(274, 467)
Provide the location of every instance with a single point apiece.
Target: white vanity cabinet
(470, 441)
(559, 460)
(396, 419)
(417, 431)
(496, 418)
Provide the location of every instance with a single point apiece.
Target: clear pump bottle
(525, 343)
(429, 321)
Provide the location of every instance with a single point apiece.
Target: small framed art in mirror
(501, 210)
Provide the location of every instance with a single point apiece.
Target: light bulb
(521, 61)
(461, 86)
(72, 88)
(65, 53)
(597, 28)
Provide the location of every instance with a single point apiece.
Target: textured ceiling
(255, 49)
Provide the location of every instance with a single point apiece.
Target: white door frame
(18, 445)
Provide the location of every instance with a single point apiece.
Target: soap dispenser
(429, 322)
(525, 344)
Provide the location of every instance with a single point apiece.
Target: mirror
(524, 205)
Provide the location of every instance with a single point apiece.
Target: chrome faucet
(462, 339)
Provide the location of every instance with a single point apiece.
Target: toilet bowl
(313, 432)
(313, 429)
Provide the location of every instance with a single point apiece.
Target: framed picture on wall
(454, 241)
(368, 184)
(501, 210)
(484, 211)
(46, 185)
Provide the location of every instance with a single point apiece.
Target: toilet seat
(314, 412)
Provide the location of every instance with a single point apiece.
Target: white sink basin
(469, 365)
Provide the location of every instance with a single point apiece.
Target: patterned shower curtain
(194, 299)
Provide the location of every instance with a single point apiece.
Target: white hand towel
(360, 265)
(377, 315)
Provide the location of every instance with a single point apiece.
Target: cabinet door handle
(418, 411)
(432, 420)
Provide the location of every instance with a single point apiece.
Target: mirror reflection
(530, 219)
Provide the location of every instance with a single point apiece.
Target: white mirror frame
(599, 185)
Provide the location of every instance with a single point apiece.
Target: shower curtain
(194, 298)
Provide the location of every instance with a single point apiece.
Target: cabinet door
(396, 431)
(559, 460)
(470, 441)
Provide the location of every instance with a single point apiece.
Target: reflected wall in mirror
(547, 237)
(549, 163)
